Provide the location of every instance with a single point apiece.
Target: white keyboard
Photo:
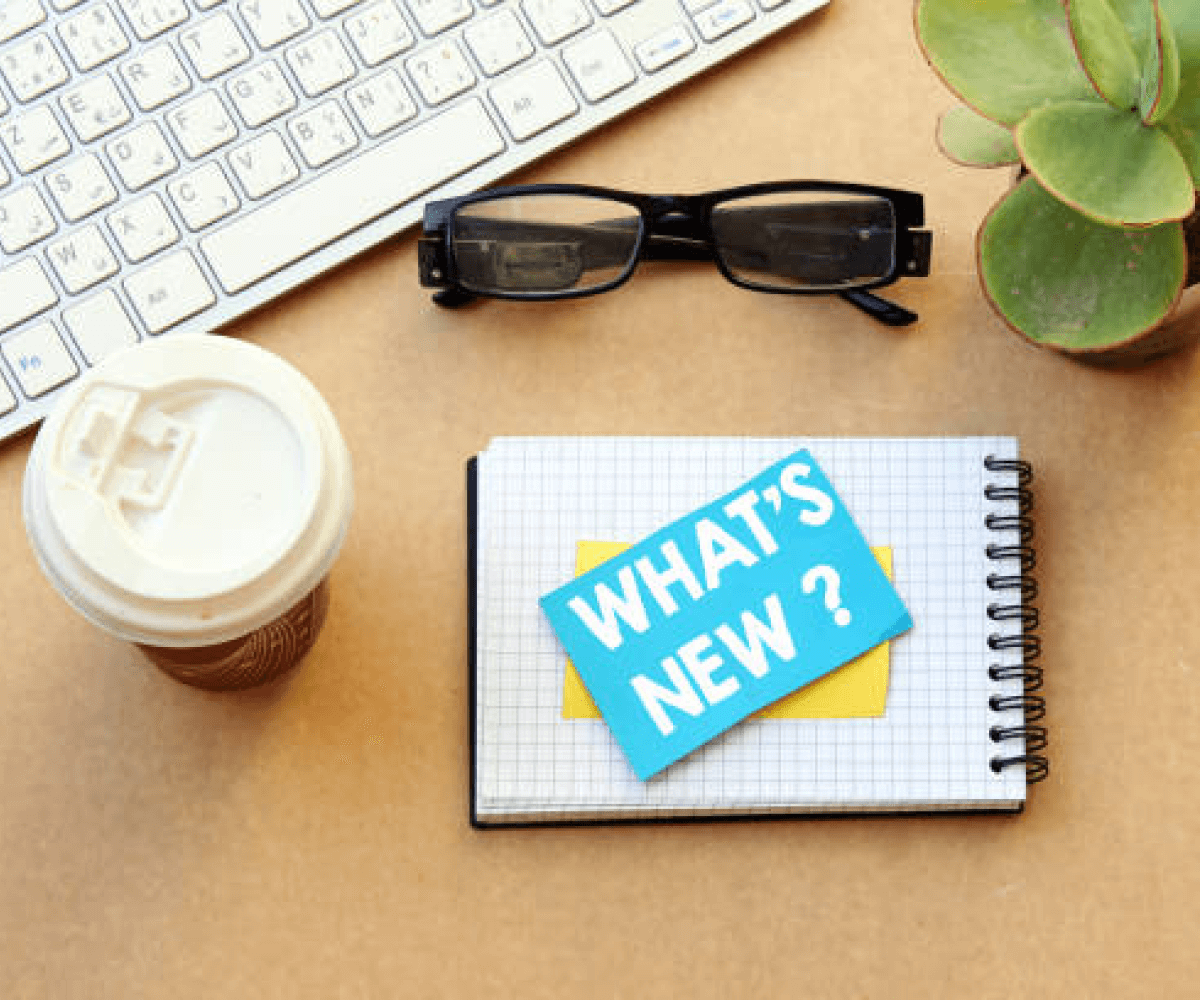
(169, 165)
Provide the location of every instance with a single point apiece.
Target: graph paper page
(537, 497)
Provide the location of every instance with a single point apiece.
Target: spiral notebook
(960, 727)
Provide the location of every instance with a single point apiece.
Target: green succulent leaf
(1106, 51)
(1106, 163)
(975, 141)
(1002, 57)
(1064, 280)
(1158, 101)
(1182, 121)
(1140, 18)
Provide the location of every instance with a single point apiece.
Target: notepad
(960, 728)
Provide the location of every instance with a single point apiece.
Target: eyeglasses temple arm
(880, 309)
(916, 248)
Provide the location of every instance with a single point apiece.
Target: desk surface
(311, 840)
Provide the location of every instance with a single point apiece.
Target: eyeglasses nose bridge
(676, 215)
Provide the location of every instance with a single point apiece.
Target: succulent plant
(1098, 103)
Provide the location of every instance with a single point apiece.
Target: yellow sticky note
(855, 691)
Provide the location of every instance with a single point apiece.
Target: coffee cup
(190, 495)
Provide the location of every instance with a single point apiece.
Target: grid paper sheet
(923, 497)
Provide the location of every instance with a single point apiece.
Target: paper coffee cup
(190, 495)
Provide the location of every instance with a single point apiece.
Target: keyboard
(170, 165)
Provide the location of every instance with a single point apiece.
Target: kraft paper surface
(310, 841)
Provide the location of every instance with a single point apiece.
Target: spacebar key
(347, 197)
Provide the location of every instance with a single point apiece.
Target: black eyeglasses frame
(679, 227)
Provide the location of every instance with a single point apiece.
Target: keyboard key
(17, 16)
(150, 18)
(34, 139)
(555, 20)
(169, 292)
(599, 65)
(141, 156)
(261, 94)
(379, 32)
(273, 22)
(323, 134)
(82, 259)
(320, 63)
(93, 37)
(8, 402)
(39, 359)
(25, 291)
(381, 103)
(665, 47)
(610, 7)
(263, 165)
(440, 72)
(33, 68)
(214, 46)
(721, 18)
(94, 108)
(99, 326)
(399, 169)
(498, 42)
(62, 6)
(435, 16)
(80, 187)
(203, 196)
(24, 220)
(331, 8)
(202, 125)
(142, 228)
(533, 100)
(155, 77)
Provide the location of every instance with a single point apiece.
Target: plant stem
(1191, 236)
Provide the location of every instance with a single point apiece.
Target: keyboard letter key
(82, 259)
(214, 46)
(143, 228)
(24, 219)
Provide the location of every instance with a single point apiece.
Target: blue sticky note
(724, 611)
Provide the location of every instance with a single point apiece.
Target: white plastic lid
(188, 491)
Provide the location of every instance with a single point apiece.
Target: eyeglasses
(559, 241)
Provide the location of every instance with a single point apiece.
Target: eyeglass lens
(818, 240)
(535, 244)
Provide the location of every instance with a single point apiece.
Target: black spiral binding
(1026, 642)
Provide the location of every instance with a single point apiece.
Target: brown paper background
(311, 840)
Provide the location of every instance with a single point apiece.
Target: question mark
(829, 576)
